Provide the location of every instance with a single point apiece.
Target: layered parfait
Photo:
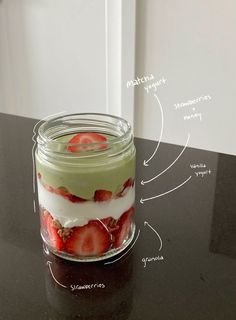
(87, 202)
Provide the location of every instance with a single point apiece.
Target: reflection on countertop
(196, 279)
(89, 290)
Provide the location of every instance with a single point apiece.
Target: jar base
(111, 253)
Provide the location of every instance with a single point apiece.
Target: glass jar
(85, 166)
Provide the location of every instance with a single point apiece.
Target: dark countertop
(197, 224)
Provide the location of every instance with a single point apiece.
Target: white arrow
(147, 181)
(162, 194)
(50, 268)
(145, 162)
(146, 223)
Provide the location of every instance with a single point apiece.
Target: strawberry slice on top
(124, 223)
(87, 141)
(92, 239)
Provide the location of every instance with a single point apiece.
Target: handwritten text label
(200, 169)
(138, 81)
(151, 259)
(192, 102)
(153, 86)
(74, 287)
(196, 115)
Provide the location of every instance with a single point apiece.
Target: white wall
(66, 55)
(52, 56)
(192, 44)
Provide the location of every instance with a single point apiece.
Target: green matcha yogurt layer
(83, 176)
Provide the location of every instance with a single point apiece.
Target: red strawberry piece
(61, 191)
(49, 188)
(93, 239)
(102, 195)
(124, 223)
(81, 139)
(114, 228)
(119, 194)
(54, 239)
(128, 183)
(107, 221)
(74, 198)
(43, 218)
(39, 175)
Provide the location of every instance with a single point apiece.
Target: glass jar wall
(85, 166)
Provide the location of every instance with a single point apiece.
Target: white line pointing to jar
(147, 224)
(126, 251)
(147, 181)
(50, 268)
(145, 162)
(162, 194)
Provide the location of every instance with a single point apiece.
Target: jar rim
(48, 136)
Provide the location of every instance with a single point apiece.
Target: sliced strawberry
(124, 223)
(107, 221)
(39, 175)
(49, 188)
(93, 239)
(119, 194)
(81, 139)
(74, 198)
(55, 240)
(43, 218)
(62, 191)
(102, 195)
(128, 183)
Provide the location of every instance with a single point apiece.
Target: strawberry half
(54, 239)
(124, 223)
(81, 139)
(102, 195)
(90, 240)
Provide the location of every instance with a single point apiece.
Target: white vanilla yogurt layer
(71, 214)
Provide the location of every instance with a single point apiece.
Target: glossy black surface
(197, 224)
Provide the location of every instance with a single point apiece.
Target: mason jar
(85, 165)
